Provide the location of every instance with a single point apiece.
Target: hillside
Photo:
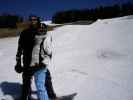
(94, 61)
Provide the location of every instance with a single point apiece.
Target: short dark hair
(31, 16)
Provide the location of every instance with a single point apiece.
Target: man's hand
(18, 68)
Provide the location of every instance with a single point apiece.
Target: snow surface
(48, 22)
(95, 61)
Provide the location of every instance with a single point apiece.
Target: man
(25, 47)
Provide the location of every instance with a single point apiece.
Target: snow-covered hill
(95, 61)
(49, 23)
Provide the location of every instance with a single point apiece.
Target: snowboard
(68, 97)
(64, 97)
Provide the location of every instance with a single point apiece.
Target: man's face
(34, 21)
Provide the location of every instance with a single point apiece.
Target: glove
(18, 68)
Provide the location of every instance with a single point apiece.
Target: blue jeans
(40, 77)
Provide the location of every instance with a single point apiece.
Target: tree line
(101, 12)
(9, 20)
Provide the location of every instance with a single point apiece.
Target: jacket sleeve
(48, 45)
(19, 50)
(46, 55)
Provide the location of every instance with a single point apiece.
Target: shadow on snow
(10, 88)
(14, 90)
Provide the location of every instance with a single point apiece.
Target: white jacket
(42, 49)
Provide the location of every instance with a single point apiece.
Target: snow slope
(94, 61)
(49, 23)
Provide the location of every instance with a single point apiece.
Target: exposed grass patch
(7, 32)
(12, 32)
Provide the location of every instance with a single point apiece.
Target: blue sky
(47, 8)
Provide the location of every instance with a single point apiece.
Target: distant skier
(34, 46)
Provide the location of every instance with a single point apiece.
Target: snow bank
(94, 61)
